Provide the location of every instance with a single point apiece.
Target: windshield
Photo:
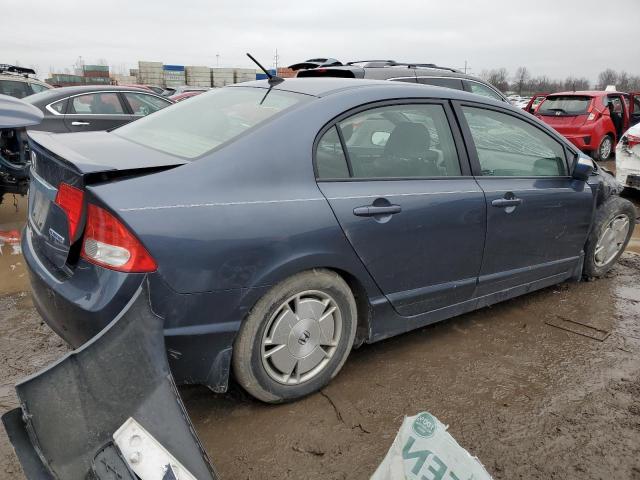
(190, 129)
(565, 105)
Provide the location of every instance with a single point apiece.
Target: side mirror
(582, 169)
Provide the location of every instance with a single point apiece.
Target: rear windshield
(190, 129)
(565, 105)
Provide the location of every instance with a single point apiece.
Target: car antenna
(273, 79)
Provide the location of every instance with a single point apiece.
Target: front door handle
(373, 210)
(506, 202)
(78, 124)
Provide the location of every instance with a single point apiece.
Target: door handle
(373, 210)
(77, 124)
(506, 202)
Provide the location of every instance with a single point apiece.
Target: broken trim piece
(72, 409)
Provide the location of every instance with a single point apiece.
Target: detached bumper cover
(70, 411)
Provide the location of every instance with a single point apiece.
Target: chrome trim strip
(58, 114)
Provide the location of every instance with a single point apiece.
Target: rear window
(14, 88)
(190, 129)
(565, 105)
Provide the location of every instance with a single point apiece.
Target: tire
(274, 324)
(615, 209)
(605, 148)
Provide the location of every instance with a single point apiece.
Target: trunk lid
(77, 160)
(564, 123)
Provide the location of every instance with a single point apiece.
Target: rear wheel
(296, 338)
(605, 148)
(612, 229)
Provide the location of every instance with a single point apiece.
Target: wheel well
(362, 304)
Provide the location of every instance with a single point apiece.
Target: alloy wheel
(611, 240)
(301, 337)
(605, 148)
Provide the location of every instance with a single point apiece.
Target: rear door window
(14, 88)
(399, 141)
(480, 89)
(564, 105)
(143, 104)
(37, 88)
(508, 146)
(105, 103)
(455, 83)
(330, 160)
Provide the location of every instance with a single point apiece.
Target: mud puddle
(13, 275)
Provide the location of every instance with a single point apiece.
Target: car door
(538, 217)
(142, 104)
(634, 108)
(398, 180)
(95, 111)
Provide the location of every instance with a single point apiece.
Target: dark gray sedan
(265, 229)
(89, 108)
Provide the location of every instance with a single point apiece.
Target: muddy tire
(613, 226)
(296, 338)
(605, 148)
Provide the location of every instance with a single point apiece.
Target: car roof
(591, 93)
(20, 78)
(322, 87)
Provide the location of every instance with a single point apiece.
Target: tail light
(70, 199)
(593, 116)
(632, 141)
(108, 243)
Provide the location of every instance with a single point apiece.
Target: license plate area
(49, 223)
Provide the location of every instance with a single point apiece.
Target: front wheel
(296, 338)
(613, 226)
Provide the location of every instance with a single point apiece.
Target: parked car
(593, 120)
(183, 96)
(16, 82)
(267, 228)
(423, 73)
(628, 157)
(534, 102)
(15, 116)
(89, 108)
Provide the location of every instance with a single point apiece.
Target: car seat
(407, 153)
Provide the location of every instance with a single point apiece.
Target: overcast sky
(552, 37)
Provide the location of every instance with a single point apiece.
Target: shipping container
(95, 68)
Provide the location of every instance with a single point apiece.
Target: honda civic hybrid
(272, 226)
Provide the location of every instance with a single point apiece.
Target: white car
(628, 158)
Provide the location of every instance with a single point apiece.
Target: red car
(592, 120)
(183, 96)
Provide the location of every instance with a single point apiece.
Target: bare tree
(575, 84)
(521, 79)
(607, 77)
(498, 77)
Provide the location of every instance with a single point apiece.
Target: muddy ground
(530, 399)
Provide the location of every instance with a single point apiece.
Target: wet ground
(544, 386)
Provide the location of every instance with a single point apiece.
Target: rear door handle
(372, 210)
(77, 124)
(506, 202)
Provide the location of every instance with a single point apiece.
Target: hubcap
(605, 148)
(301, 337)
(611, 240)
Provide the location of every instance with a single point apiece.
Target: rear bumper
(199, 328)
(77, 310)
(71, 414)
(584, 141)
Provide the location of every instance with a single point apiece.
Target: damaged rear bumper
(109, 409)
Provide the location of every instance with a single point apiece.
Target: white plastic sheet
(424, 450)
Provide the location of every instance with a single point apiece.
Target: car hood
(93, 152)
(15, 113)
